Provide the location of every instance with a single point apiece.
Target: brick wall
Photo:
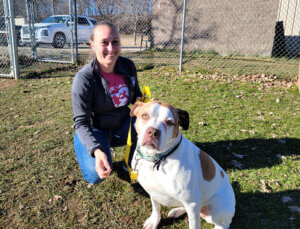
(226, 26)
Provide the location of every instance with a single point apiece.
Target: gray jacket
(92, 104)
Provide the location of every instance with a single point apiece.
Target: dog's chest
(157, 183)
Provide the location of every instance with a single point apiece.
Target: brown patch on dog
(136, 108)
(205, 211)
(222, 174)
(208, 166)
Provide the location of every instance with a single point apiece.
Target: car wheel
(59, 40)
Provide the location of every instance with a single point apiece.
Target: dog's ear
(184, 119)
(136, 108)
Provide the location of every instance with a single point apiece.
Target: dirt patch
(6, 83)
(265, 81)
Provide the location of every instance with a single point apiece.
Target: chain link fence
(234, 37)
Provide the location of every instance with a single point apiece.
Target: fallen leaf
(286, 199)
(249, 131)
(237, 164)
(65, 208)
(294, 208)
(55, 198)
(265, 187)
(280, 156)
(281, 141)
(238, 155)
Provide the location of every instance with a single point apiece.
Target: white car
(55, 30)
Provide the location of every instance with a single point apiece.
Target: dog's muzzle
(151, 137)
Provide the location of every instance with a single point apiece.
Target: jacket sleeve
(136, 89)
(82, 89)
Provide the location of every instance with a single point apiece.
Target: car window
(82, 21)
(93, 21)
(56, 19)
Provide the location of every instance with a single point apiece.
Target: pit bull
(175, 172)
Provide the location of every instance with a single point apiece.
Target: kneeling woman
(101, 93)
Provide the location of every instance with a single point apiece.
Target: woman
(101, 93)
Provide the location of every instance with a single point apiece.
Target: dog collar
(158, 158)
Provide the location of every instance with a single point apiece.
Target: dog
(175, 172)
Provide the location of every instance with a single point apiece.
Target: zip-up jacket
(92, 104)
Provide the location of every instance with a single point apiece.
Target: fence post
(182, 35)
(76, 37)
(71, 25)
(12, 41)
(29, 12)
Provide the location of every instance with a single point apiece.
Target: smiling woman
(101, 93)
(105, 42)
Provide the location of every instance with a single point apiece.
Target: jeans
(107, 139)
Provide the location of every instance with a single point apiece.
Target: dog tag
(133, 177)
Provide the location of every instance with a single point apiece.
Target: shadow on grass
(41, 72)
(256, 152)
(265, 210)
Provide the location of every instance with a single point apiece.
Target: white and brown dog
(175, 172)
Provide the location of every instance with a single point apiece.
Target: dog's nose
(153, 133)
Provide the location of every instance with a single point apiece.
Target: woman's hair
(103, 23)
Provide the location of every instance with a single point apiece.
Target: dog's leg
(221, 227)
(153, 221)
(176, 212)
(193, 212)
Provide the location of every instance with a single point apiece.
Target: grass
(41, 184)
(240, 65)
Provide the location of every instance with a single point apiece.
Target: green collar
(158, 157)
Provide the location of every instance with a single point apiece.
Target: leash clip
(133, 176)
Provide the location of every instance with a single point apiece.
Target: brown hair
(103, 23)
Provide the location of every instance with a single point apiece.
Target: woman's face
(106, 46)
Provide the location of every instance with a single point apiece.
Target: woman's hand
(102, 165)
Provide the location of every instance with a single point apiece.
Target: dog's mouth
(151, 143)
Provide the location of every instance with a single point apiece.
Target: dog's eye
(169, 122)
(145, 116)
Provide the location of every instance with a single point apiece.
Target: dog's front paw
(176, 212)
(152, 222)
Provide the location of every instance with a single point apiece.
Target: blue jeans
(107, 139)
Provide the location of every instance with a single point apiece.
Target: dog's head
(157, 125)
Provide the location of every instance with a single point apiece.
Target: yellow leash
(133, 174)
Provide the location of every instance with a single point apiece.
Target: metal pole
(292, 33)
(182, 35)
(52, 3)
(71, 25)
(76, 38)
(7, 30)
(33, 30)
(13, 41)
(31, 27)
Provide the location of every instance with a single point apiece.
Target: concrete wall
(226, 26)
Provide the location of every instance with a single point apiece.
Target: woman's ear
(184, 119)
(92, 45)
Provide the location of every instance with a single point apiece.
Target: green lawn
(251, 125)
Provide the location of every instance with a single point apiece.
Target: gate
(8, 53)
(49, 34)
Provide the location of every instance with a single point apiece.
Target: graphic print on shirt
(117, 88)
